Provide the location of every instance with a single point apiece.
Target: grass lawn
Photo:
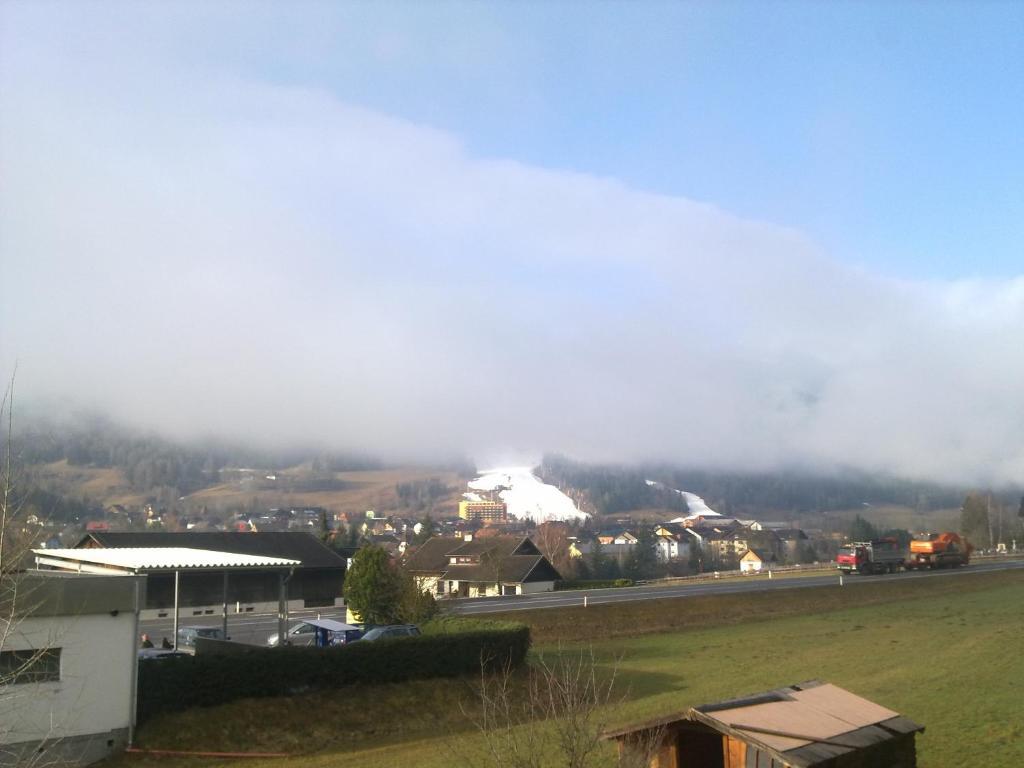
(944, 652)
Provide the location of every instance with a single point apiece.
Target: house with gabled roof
(755, 560)
(481, 566)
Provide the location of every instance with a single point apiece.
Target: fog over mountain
(201, 252)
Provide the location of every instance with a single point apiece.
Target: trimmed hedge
(592, 584)
(174, 684)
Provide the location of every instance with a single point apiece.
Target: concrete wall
(91, 704)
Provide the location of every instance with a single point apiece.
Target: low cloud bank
(205, 254)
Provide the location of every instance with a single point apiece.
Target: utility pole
(988, 514)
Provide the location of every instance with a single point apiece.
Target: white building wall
(491, 589)
(94, 693)
(429, 584)
(531, 587)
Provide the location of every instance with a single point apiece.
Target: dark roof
(505, 545)
(516, 557)
(432, 556)
(514, 568)
(789, 534)
(301, 546)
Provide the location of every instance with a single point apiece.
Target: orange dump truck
(938, 550)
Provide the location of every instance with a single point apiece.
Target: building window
(31, 666)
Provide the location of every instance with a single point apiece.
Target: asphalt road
(726, 586)
(255, 628)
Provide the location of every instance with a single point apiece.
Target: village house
(673, 542)
(756, 560)
(619, 536)
(481, 566)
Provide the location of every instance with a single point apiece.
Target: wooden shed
(809, 724)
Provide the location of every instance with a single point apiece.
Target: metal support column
(177, 586)
(224, 606)
(282, 606)
(133, 704)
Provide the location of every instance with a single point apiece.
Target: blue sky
(751, 235)
(893, 133)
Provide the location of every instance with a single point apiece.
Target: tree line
(613, 488)
(610, 489)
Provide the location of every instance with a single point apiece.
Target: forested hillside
(618, 488)
(149, 461)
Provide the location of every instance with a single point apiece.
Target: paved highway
(689, 589)
(254, 628)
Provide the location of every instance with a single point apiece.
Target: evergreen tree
(862, 530)
(415, 606)
(598, 560)
(643, 560)
(325, 528)
(373, 587)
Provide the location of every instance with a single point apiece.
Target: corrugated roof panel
(163, 558)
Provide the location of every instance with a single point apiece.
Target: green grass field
(944, 652)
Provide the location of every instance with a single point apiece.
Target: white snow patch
(694, 503)
(526, 495)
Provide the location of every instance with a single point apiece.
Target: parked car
(304, 633)
(392, 632)
(187, 635)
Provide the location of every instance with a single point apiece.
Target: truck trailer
(938, 550)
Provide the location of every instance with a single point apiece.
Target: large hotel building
(484, 511)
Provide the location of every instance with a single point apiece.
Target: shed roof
(156, 559)
(802, 725)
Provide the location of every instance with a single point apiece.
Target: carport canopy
(116, 561)
(134, 559)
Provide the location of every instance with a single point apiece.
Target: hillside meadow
(945, 653)
(359, 491)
